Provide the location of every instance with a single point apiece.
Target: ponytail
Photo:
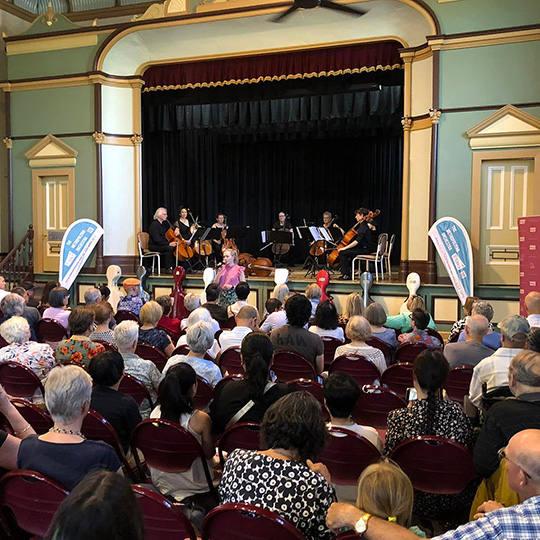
(257, 353)
(174, 399)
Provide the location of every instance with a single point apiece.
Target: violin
(201, 248)
(178, 294)
(350, 235)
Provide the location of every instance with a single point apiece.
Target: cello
(183, 250)
(350, 235)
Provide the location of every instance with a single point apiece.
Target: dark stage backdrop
(251, 152)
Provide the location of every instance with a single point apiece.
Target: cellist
(361, 245)
(158, 241)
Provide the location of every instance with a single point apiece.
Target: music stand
(312, 261)
(200, 235)
(280, 237)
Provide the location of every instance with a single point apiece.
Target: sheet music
(326, 234)
(263, 236)
(315, 233)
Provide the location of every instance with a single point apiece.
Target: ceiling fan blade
(342, 7)
(285, 13)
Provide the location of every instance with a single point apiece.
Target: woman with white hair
(280, 291)
(192, 302)
(201, 314)
(13, 305)
(63, 453)
(200, 337)
(39, 357)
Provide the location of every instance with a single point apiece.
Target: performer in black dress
(282, 252)
(221, 223)
(158, 242)
(182, 224)
(361, 245)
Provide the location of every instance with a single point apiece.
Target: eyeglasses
(502, 455)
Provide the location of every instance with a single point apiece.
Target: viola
(178, 294)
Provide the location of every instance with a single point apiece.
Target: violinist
(221, 223)
(182, 224)
(158, 241)
(361, 245)
(329, 223)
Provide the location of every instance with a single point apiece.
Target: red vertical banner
(529, 258)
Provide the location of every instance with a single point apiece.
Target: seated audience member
(103, 315)
(532, 305)
(200, 337)
(212, 296)
(201, 314)
(313, 294)
(341, 392)
(132, 301)
(30, 289)
(353, 306)
(282, 478)
(126, 337)
(402, 322)
(63, 453)
(294, 337)
(84, 510)
(470, 351)
(92, 296)
(430, 414)
(419, 321)
(148, 333)
(3, 291)
(459, 326)
(326, 323)
(58, 311)
(247, 320)
(46, 292)
(105, 292)
(376, 317)
(175, 404)
(256, 389)
(492, 520)
(170, 323)
(31, 314)
(493, 370)
(280, 292)
(276, 315)
(79, 348)
(385, 491)
(191, 303)
(121, 411)
(39, 357)
(506, 418)
(358, 330)
(242, 292)
(492, 339)
(12, 305)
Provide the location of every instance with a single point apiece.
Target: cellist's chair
(377, 258)
(142, 241)
(388, 254)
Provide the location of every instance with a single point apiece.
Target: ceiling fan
(329, 4)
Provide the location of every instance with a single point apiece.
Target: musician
(361, 245)
(332, 227)
(221, 223)
(158, 241)
(182, 226)
(283, 223)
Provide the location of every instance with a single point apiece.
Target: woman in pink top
(228, 277)
(58, 300)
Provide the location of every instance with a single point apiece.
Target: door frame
(38, 207)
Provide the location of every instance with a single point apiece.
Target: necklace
(67, 432)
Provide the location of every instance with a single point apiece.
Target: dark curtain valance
(275, 67)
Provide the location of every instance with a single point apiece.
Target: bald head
(247, 316)
(524, 450)
(532, 303)
(476, 328)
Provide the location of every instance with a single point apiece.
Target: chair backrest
(458, 382)
(435, 464)
(124, 315)
(398, 378)
(435, 334)
(230, 362)
(234, 521)
(244, 435)
(32, 498)
(407, 352)
(19, 380)
(181, 349)
(149, 352)
(204, 395)
(168, 447)
(162, 518)
(390, 246)
(131, 386)
(108, 346)
(383, 347)
(381, 244)
(374, 404)
(50, 331)
(330, 346)
(347, 454)
(143, 239)
(34, 415)
(220, 384)
(41, 308)
(315, 389)
(362, 370)
(173, 335)
(230, 323)
(289, 365)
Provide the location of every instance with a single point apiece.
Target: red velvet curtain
(275, 67)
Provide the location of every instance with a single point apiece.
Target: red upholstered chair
(243, 435)
(162, 518)
(124, 315)
(224, 381)
(204, 395)
(348, 535)
(330, 346)
(34, 415)
(407, 352)
(289, 365)
(108, 346)
(362, 370)
(229, 362)
(435, 464)
(229, 324)
(173, 335)
(181, 349)
(383, 347)
(131, 386)
(168, 447)
(315, 389)
(347, 454)
(50, 331)
(42, 308)
(458, 382)
(236, 521)
(435, 334)
(149, 352)
(19, 380)
(398, 378)
(374, 404)
(33, 500)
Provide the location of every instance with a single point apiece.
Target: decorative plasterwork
(170, 8)
(509, 127)
(51, 152)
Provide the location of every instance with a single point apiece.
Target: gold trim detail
(268, 78)
(406, 122)
(435, 115)
(55, 43)
(49, 18)
(8, 142)
(170, 8)
(136, 139)
(98, 137)
(424, 123)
